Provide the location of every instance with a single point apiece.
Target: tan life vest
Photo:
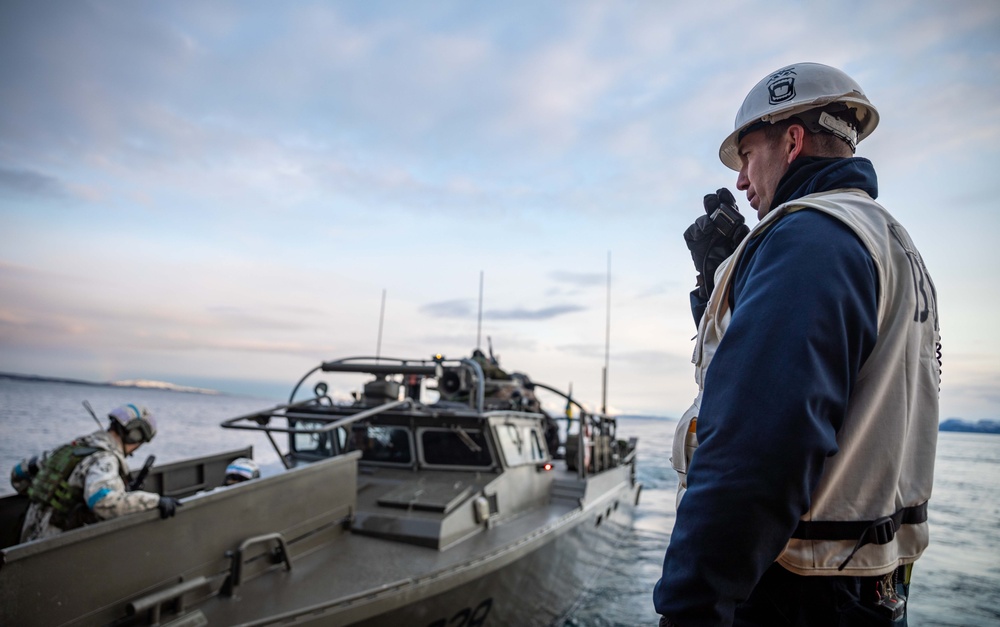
(888, 439)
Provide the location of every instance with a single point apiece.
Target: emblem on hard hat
(781, 87)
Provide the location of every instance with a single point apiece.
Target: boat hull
(533, 582)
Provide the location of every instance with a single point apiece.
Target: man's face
(764, 163)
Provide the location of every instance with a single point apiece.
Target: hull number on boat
(467, 617)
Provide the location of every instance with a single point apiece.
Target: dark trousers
(782, 598)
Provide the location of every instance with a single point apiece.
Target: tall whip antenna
(381, 319)
(479, 325)
(607, 344)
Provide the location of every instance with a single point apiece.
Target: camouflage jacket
(99, 476)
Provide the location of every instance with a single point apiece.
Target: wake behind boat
(442, 496)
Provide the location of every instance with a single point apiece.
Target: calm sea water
(956, 583)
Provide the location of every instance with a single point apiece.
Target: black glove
(713, 237)
(168, 506)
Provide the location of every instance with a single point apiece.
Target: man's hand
(713, 237)
(168, 506)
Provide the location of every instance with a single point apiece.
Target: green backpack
(51, 487)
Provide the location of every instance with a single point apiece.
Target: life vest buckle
(883, 530)
(880, 531)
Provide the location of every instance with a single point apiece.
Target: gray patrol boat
(442, 496)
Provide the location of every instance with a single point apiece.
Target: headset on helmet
(136, 425)
(824, 98)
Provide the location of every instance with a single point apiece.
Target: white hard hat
(795, 89)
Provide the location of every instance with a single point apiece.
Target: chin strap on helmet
(837, 119)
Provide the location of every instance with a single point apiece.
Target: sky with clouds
(217, 194)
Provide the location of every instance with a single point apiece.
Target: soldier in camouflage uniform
(87, 480)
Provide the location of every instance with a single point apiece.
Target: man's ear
(795, 137)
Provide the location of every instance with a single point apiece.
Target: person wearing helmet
(241, 469)
(806, 461)
(87, 480)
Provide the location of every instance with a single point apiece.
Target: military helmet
(799, 88)
(135, 423)
(241, 469)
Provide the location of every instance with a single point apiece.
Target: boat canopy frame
(600, 423)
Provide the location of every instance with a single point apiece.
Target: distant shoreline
(965, 426)
(133, 384)
(955, 425)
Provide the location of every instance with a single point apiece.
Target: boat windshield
(382, 443)
(455, 447)
(520, 444)
(317, 444)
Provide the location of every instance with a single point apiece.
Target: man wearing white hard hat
(88, 479)
(806, 461)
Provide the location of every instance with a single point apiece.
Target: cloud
(30, 183)
(579, 279)
(464, 309)
(136, 334)
(449, 309)
(545, 313)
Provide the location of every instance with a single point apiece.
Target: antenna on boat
(479, 325)
(381, 319)
(607, 344)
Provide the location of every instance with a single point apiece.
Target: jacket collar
(808, 175)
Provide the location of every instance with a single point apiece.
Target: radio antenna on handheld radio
(607, 344)
(479, 325)
(381, 319)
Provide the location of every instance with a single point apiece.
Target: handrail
(266, 416)
(368, 413)
(362, 415)
(236, 567)
(228, 424)
(559, 392)
(156, 600)
(273, 413)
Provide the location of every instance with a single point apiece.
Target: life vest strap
(880, 531)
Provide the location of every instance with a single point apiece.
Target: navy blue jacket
(804, 320)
